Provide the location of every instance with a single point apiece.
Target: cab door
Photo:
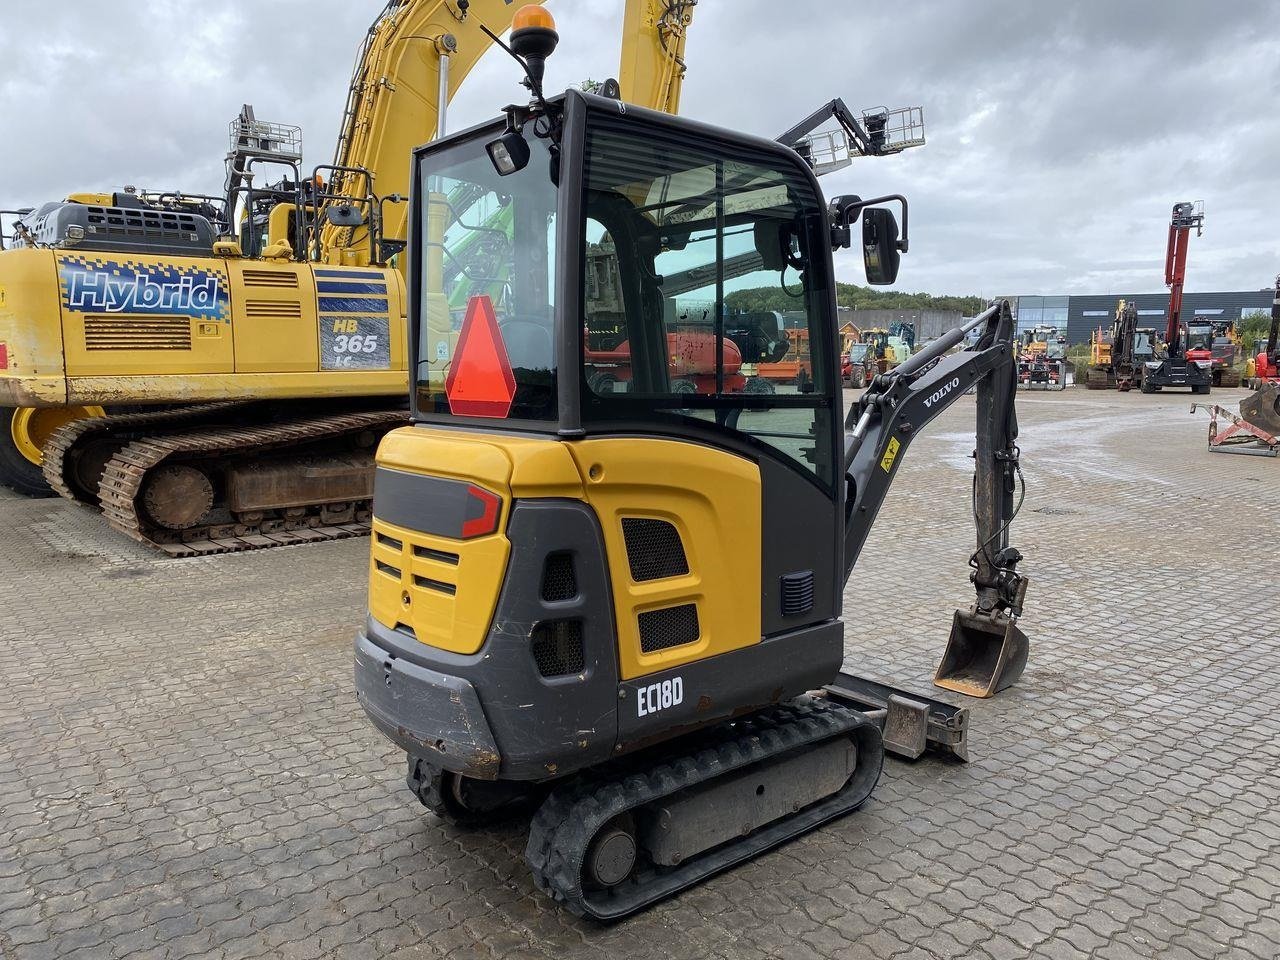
(715, 485)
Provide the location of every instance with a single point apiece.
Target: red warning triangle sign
(480, 382)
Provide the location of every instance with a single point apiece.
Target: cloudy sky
(1059, 135)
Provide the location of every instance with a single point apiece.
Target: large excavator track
(165, 481)
(582, 829)
(62, 468)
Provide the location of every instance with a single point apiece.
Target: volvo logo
(941, 392)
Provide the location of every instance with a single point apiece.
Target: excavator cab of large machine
(1199, 336)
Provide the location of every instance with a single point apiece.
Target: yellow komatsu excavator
(215, 371)
(613, 597)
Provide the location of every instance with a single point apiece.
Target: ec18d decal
(93, 285)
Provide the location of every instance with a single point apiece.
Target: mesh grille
(557, 647)
(559, 581)
(670, 627)
(281, 309)
(654, 550)
(271, 278)
(137, 333)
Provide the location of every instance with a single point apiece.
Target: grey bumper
(426, 713)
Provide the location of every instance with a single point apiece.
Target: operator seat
(529, 344)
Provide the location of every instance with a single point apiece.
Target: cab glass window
(486, 272)
(705, 292)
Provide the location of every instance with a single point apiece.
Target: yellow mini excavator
(215, 372)
(622, 601)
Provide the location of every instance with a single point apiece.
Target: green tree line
(852, 295)
(1254, 325)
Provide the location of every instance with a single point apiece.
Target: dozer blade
(1262, 408)
(984, 655)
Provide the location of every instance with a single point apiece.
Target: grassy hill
(852, 295)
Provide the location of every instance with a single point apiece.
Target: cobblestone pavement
(184, 771)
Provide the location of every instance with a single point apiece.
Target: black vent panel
(654, 550)
(557, 648)
(559, 579)
(669, 627)
(797, 593)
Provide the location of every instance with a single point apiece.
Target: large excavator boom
(1186, 216)
(416, 55)
(652, 65)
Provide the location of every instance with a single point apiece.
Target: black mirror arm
(844, 211)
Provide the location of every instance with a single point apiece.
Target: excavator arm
(987, 651)
(1185, 217)
(414, 58)
(652, 67)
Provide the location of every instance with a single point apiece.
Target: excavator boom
(414, 58)
(652, 65)
(986, 652)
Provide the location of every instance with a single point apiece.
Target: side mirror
(769, 244)
(344, 215)
(880, 252)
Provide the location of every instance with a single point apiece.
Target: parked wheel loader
(1042, 358)
(563, 606)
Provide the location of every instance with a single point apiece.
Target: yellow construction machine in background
(215, 371)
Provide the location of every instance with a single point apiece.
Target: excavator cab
(595, 544)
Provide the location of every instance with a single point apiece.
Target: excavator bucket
(984, 655)
(1262, 408)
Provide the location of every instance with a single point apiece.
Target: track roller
(621, 838)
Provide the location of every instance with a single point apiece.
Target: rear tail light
(4, 356)
(483, 508)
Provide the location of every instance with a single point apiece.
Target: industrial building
(1078, 316)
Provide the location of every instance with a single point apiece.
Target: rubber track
(123, 478)
(569, 819)
(64, 439)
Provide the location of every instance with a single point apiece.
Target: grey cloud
(1059, 135)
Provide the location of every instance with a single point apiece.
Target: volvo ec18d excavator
(249, 348)
(616, 601)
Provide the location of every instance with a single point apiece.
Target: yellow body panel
(274, 332)
(522, 467)
(30, 330)
(78, 328)
(105, 334)
(713, 499)
(401, 560)
(510, 467)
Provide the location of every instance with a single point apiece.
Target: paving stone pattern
(184, 771)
